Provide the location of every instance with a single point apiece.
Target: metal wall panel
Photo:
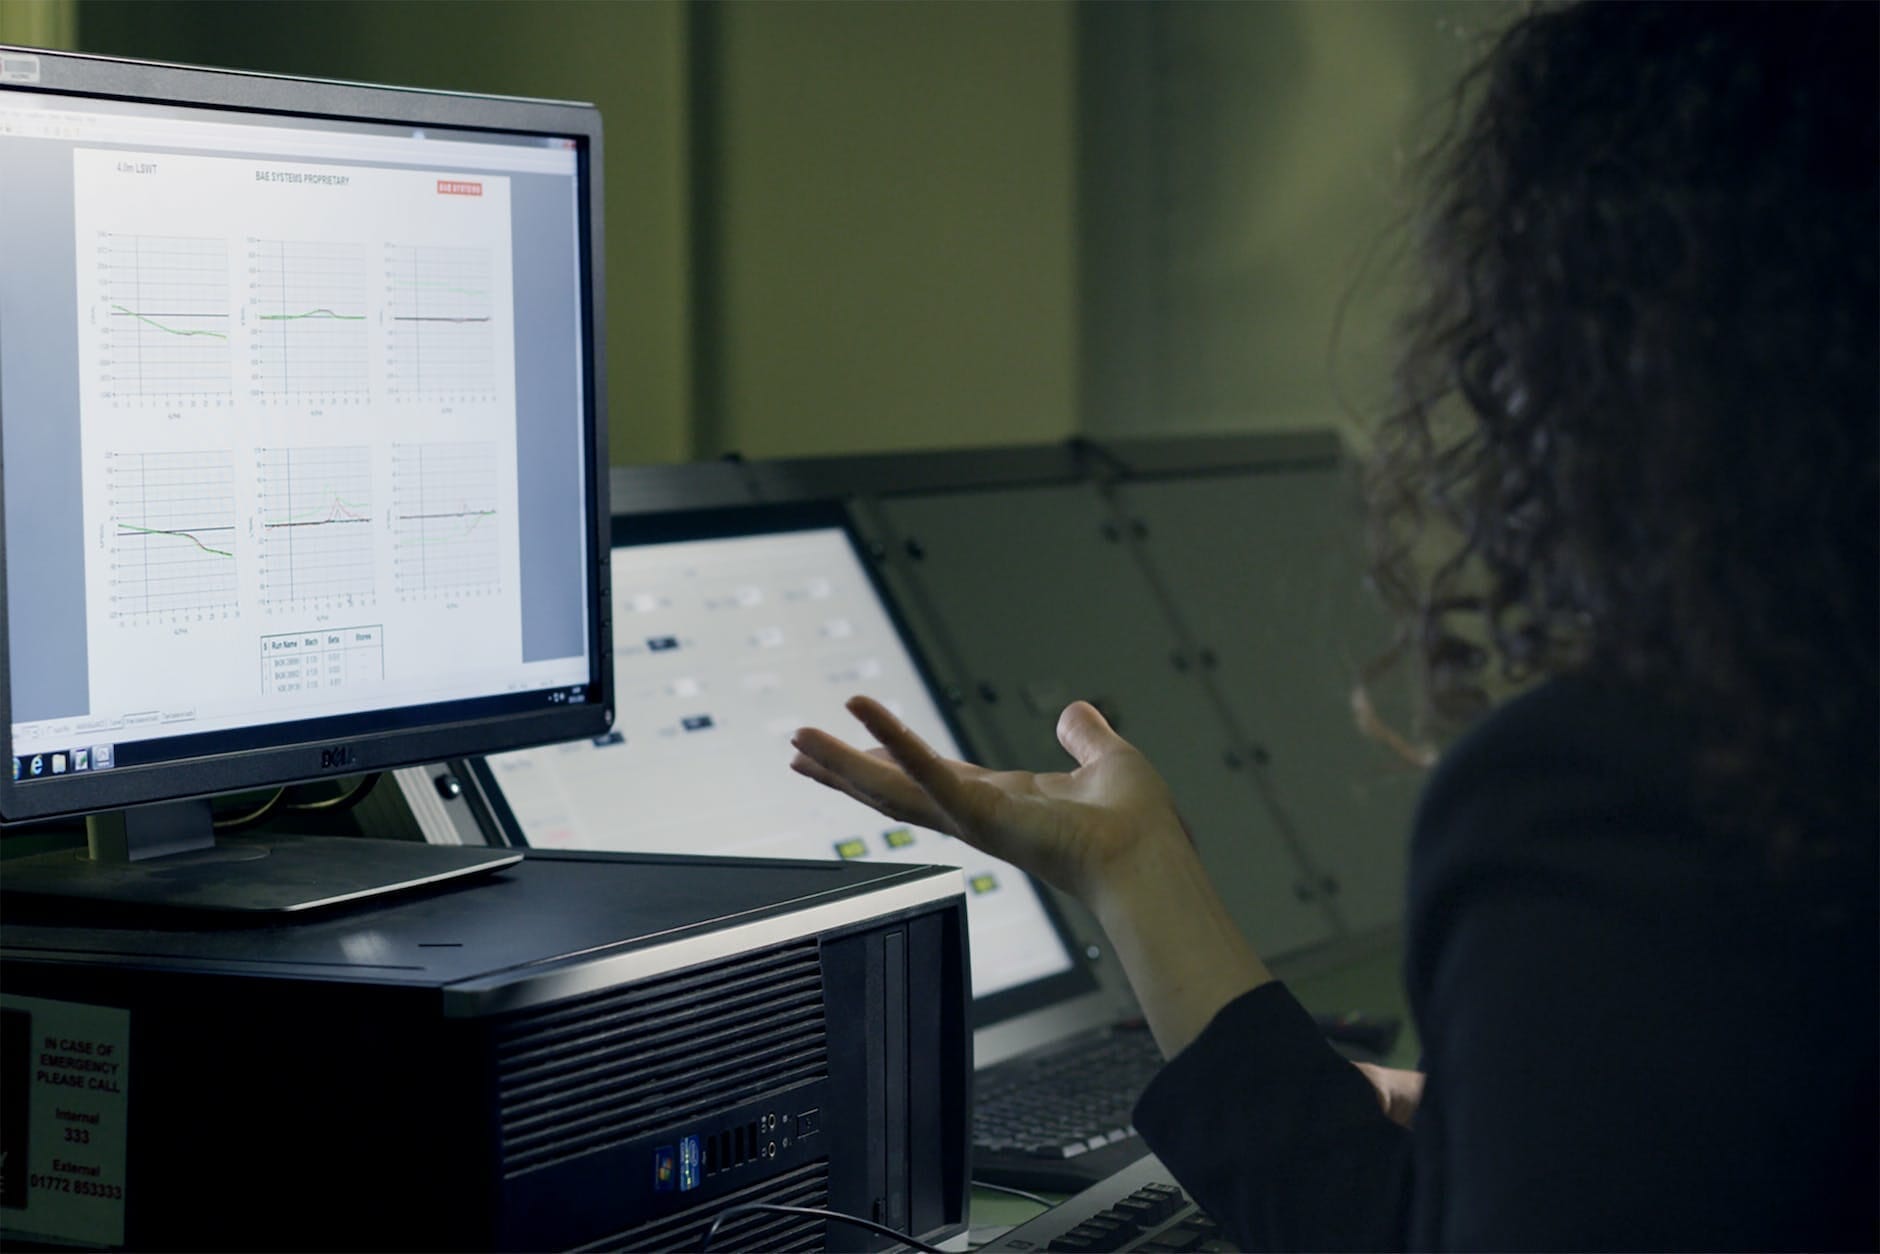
(941, 470)
(1261, 575)
(1028, 598)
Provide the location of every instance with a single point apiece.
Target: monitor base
(269, 873)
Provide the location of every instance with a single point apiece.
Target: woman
(1641, 918)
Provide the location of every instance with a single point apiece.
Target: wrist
(1185, 956)
(1148, 874)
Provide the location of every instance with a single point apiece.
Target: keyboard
(1059, 1121)
(1139, 1209)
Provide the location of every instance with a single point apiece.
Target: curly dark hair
(1650, 280)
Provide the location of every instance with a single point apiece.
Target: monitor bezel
(631, 530)
(321, 100)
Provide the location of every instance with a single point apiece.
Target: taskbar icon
(83, 760)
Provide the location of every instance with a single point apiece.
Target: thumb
(1085, 734)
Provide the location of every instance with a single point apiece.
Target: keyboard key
(1115, 1231)
(1141, 1210)
(1082, 1237)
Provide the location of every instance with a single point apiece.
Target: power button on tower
(449, 787)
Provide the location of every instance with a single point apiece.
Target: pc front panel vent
(807, 1185)
(617, 1066)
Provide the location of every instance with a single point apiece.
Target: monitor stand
(167, 856)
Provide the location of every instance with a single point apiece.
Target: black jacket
(1636, 1036)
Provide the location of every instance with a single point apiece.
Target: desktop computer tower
(582, 1051)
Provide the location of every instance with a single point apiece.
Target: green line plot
(446, 520)
(172, 534)
(163, 316)
(318, 539)
(440, 338)
(308, 312)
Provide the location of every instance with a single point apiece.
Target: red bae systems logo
(458, 187)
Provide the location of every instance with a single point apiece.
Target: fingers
(1085, 734)
(809, 768)
(905, 778)
(869, 778)
(935, 776)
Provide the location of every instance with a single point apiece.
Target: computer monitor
(735, 627)
(302, 416)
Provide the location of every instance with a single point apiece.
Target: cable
(818, 1213)
(1006, 1188)
(346, 800)
(254, 816)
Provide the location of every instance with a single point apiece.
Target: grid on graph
(439, 338)
(445, 536)
(308, 304)
(317, 534)
(165, 317)
(173, 537)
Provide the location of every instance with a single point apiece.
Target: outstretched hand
(1076, 829)
(1106, 832)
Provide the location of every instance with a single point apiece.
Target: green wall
(883, 194)
(842, 226)
(38, 23)
(1245, 176)
(890, 218)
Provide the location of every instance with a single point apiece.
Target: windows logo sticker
(665, 1168)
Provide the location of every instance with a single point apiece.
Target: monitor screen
(302, 433)
(723, 647)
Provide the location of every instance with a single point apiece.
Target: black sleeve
(1279, 1138)
(1635, 1036)
(1630, 1039)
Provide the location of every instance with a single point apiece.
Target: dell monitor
(302, 422)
